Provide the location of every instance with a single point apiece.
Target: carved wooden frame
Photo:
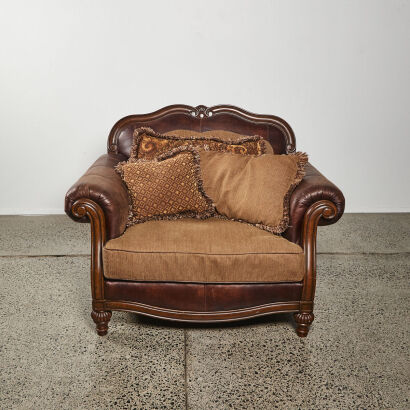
(102, 308)
(201, 111)
(320, 209)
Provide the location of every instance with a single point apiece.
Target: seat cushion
(191, 250)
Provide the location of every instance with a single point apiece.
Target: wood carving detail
(303, 320)
(321, 209)
(87, 207)
(206, 317)
(199, 112)
(101, 319)
(202, 111)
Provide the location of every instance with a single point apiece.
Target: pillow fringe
(210, 211)
(302, 159)
(139, 132)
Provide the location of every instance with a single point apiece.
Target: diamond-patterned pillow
(168, 187)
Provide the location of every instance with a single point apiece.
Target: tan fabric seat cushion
(222, 134)
(252, 189)
(212, 250)
(149, 144)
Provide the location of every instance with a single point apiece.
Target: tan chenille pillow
(253, 189)
(148, 144)
(168, 187)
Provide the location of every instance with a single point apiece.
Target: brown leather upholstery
(103, 185)
(218, 121)
(197, 297)
(212, 250)
(314, 187)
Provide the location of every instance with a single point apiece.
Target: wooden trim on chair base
(204, 317)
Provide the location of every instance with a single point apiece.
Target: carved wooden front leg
(80, 208)
(303, 320)
(321, 209)
(101, 320)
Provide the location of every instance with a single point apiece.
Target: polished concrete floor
(355, 357)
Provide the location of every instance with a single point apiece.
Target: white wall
(337, 71)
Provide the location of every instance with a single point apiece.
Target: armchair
(287, 274)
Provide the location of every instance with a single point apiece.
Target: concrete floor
(356, 355)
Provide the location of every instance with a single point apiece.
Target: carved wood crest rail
(202, 112)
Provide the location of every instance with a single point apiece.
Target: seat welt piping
(202, 253)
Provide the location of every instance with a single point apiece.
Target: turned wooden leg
(101, 319)
(303, 320)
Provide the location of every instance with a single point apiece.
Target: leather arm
(103, 185)
(313, 188)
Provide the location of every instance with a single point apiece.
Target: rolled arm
(313, 188)
(103, 185)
